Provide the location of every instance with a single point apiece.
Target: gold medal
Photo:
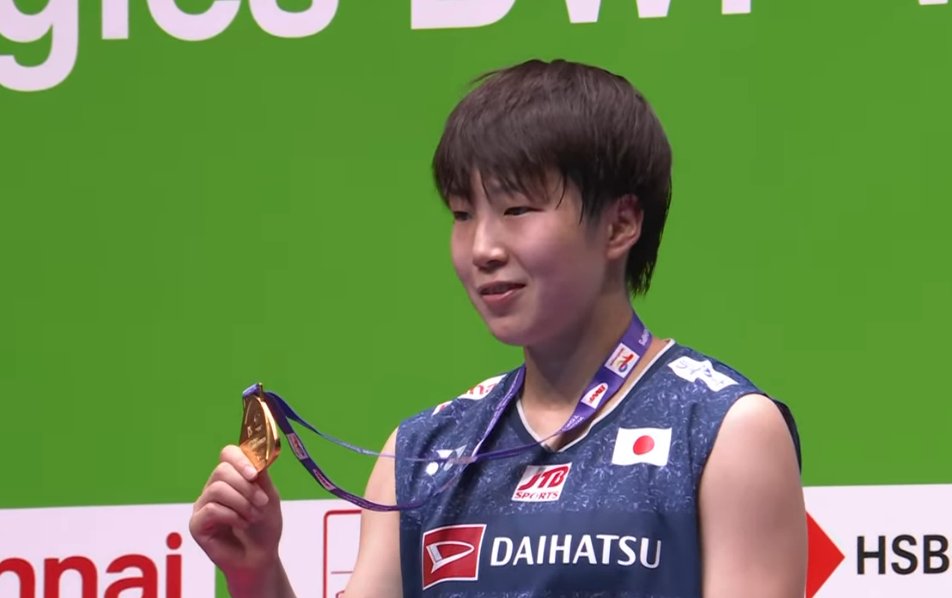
(259, 433)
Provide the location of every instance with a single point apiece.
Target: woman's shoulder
(688, 367)
(456, 414)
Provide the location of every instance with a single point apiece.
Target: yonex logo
(451, 553)
(434, 466)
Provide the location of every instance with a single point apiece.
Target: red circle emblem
(643, 445)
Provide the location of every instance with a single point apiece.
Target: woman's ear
(624, 225)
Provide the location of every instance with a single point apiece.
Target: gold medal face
(259, 434)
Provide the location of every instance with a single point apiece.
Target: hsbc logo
(879, 541)
(542, 483)
(593, 397)
(451, 553)
(622, 360)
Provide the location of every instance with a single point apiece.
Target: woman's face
(531, 266)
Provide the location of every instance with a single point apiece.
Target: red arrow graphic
(823, 557)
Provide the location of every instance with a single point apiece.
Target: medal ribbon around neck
(606, 382)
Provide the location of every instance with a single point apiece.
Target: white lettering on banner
(197, 27)
(194, 27)
(115, 19)
(102, 551)
(586, 11)
(60, 19)
(281, 23)
(450, 14)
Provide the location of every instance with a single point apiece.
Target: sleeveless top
(613, 513)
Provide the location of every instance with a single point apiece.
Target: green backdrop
(181, 219)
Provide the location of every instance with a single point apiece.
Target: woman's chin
(508, 334)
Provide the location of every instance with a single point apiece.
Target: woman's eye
(518, 210)
(460, 216)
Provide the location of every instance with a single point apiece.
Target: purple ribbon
(607, 381)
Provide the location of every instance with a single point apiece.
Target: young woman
(639, 467)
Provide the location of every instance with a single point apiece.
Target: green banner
(201, 194)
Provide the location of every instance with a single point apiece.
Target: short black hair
(589, 125)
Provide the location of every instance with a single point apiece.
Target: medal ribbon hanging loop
(607, 381)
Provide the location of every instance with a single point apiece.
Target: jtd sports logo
(541, 483)
(451, 553)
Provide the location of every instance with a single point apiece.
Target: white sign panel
(880, 541)
(102, 551)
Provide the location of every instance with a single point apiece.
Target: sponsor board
(319, 545)
(102, 551)
(341, 534)
(865, 541)
(880, 541)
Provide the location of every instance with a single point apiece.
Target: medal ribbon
(606, 382)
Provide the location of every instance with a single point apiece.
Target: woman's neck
(558, 371)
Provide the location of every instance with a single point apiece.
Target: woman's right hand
(237, 522)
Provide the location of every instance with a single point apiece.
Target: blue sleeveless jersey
(614, 513)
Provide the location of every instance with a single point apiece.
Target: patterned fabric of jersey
(614, 514)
